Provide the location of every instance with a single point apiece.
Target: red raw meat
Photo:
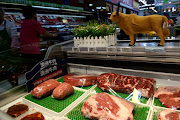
(81, 80)
(172, 102)
(45, 88)
(169, 96)
(63, 90)
(168, 115)
(103, 106)
(167, 91)
(126, 84)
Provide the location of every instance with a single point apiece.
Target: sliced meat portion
(63, 90)
(172, 102)
(103, 106)
(169, 115)
(126, 84)
(167, 91)
(169, 96)
(17, 110)
(34, 116)
(81, 80)
(44, 88)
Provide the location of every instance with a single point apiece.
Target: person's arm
(37, 27)
(48, 34)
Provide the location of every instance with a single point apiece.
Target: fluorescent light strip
(46, 7)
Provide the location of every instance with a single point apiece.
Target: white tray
(32, 109)
(65, 117)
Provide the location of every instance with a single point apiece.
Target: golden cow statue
(132, 24)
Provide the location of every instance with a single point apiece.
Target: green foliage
(95, 28)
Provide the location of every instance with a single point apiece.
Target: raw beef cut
(44, 88)
(62, 91)
(169, 96)
(169, 115)
(172, 102)
(126, 84)
(81, 80)
(167, 91)
(103, 106)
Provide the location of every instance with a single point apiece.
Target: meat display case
(72, 110)
(150, 106)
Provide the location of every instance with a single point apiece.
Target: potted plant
(95, 35)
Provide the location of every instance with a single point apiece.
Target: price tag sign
(126, 50)
(76, 49)
(111, 49)
(92, 49)
(155, 50)
(45, 70)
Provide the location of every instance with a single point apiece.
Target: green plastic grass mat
(123, 95)
(54, 104)
(139, 113)
(158, 103)
(60, 80)
(86, 88)
(156, 113)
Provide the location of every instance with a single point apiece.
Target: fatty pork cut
(126, 84)
(103, 106)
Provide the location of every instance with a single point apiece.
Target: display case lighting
(169, 10)
(98, 8)
(143, 8)
(173, 9)
(47, 7)
(90, 4)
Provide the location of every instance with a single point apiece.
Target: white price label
(155, 49)
(77, 49)
(126, 50)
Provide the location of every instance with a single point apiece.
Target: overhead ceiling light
(90, 4)
(98, 7)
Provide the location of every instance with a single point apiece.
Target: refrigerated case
(70, 108)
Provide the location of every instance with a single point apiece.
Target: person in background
(8, 50)
(8, 34)
(30, 33)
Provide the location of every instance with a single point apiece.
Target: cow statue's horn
(118, 9)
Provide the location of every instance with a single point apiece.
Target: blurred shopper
(8, 44)
(30, 33)
(8, 34)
